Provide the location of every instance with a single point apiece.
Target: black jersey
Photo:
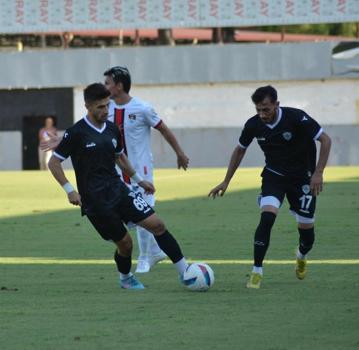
(288, 144)
(93, 152)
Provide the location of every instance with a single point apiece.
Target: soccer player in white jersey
(135, 118)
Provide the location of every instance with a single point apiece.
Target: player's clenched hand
(316, 183)
(219, 190)
(51, 143)
(147, 186)
(74, 198)
(182, 161)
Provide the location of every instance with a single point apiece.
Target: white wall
(10, 150)
(212, 147)
(182, 64)
(79, 104)
(225, 105)
(216, 112)
(206, 147)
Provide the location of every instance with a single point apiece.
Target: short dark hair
(95, 92)
(265, 91)
(120, 75)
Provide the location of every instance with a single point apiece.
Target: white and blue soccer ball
(198, 277)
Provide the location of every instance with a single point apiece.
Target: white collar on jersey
(279, 117)
(94, 127)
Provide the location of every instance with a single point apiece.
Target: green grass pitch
(58, 284)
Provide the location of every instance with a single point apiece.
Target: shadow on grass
(206, 228)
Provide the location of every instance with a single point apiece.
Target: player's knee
(158, 227)
(305, 226)
(267, 220)
(154, 224)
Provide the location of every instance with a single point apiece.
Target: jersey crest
(114, 142)
(306, 189)
(287, 135)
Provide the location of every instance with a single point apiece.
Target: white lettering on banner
(22, 16)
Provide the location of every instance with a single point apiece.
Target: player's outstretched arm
(316, 181)
(236, 159)
(182, 159)
(52, 142)
(55, 167)
(125, 165)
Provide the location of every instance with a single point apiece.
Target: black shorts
(111, 226)
(297, 191)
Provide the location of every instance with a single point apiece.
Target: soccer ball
(198, 277)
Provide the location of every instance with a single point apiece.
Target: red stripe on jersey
(158, 124)
(120, 122)
(145, 170)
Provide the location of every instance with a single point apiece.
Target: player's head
(49, 122)
(97, 99)
(266, 101)
(118, 77)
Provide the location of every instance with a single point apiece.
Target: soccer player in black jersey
(287, 138)
(94, 145)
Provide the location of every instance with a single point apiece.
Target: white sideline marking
(54, 261)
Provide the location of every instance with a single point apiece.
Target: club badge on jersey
(306, 189)
(287, 135)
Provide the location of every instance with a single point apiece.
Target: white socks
(181, 266)
(257, 269)
(300, 255)
(124, 276)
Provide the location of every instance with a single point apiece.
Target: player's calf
(306, 240)
(165, 241)
(125, 245)
(262, 237)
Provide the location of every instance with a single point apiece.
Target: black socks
(262, 237)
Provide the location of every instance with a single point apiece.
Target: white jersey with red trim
(135, 120)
